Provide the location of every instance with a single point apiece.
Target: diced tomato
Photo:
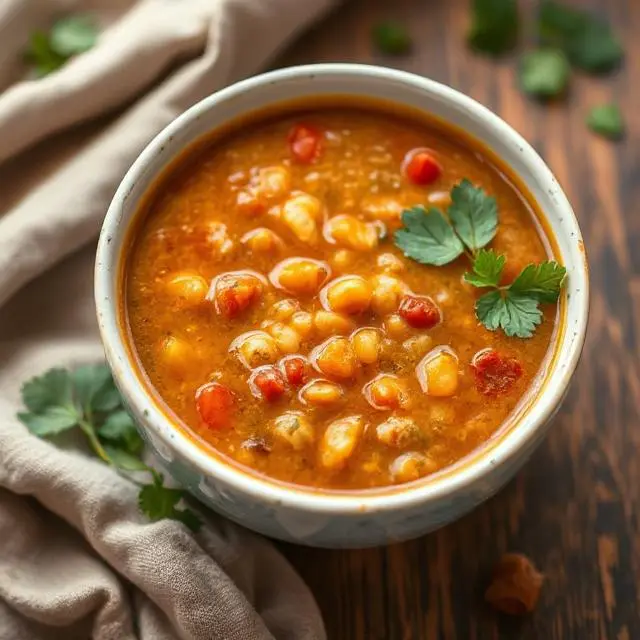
(296, 370)
(216, 405)
(236, 292)
(420, 312)
(268, 383)
(421, 167)
(305, 143)
(494, 372)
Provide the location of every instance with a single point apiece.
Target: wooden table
(575, 508)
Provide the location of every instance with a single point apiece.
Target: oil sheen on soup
(272, 312)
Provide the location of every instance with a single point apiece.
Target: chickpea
(328, 323)
(396, 327)
(335, 358)
(283, 309)
(366, 345)
(190, 287)
(342, 259)
(399, 432)
(349, 294)
(302, 322)
(390, 263)
(287, 339)
(262, 240)
(387, 392)
(340, 440)
(439, 198)
(437, 372)
(418, 345)
(411, 466)
(274, 182)
(300, 276)
(255, 348)
(294, 429)
(301, 213)
(177, 353)
(387, 293)
(321, 393)
(384, 208)
(233, 292)
(351, 232)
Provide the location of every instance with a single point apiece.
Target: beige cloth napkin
(77, 560)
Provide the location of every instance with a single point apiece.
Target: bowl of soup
(342, 302)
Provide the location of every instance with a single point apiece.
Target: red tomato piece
(236, 292)
(421, 167)
(215, 403)
(296, 370)
(420, 312)
(305, 143)
(267, 382)
(494, 372)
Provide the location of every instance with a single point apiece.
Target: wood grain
(575, 508)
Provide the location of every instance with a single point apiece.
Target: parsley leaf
(586, 39)
(474, 215)
(391, 38)
(487, 269)
(69, 36)
(87, 398)
(157, 502)
(544, 73)
(494, 26)
(607, 121)
(540, 281)
(427, 237)
(517, 315)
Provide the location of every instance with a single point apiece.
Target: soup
(274, 314)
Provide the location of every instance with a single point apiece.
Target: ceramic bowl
(357, 518)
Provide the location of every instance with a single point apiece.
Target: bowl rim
(456, 477)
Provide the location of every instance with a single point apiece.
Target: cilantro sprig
(68, 37)
(87, 399)
(470, 223)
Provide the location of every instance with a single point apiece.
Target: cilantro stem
(89, 431)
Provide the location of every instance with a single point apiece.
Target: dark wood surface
(575, 508)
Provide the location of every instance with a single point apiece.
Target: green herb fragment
(427, 237)
(474, 215)
(494, 26)
(544, 73)
(586, 39)
(607, 121)
(514, 308)
(391, 38)
(157, 502)
(69, 36)
(87, 398)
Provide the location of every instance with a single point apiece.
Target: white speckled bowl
(357, 518)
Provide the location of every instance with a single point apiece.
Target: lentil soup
(274, 315)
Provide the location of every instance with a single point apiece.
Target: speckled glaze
(345, 519)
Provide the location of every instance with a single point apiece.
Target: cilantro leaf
(391, 38)
(427, 237)
(120, 429)
(51, 421)
(73, 35)
(88, 381)
(48, 390)
(157, 502)
(517, 315)
(607, 121)
(487, 269)
(544, 73)
(474, 215)
(542, 282)
(494, 26)
(586, 39)
(124, 459)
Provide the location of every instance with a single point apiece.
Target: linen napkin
(77, 559)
